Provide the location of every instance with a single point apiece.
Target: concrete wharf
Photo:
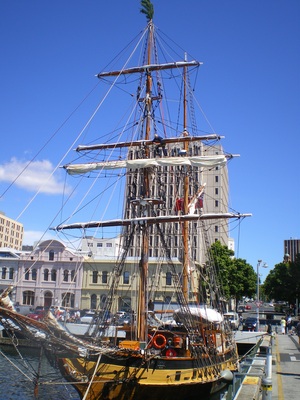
(285, 371)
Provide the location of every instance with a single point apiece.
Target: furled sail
(195, 161)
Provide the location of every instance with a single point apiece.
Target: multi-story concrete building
(166, 193)
(291, 249)
(216, 197)
(11, 233)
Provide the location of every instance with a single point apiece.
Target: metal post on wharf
(266, 382)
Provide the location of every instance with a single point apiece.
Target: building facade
(50, 275)
(166, 194)
(11, 233)
(99, 276)
(100, 247)
(291, 249)
(9, 264)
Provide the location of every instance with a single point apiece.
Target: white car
(233, 318)
(87, 318)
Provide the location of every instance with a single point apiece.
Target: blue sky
(249, 81)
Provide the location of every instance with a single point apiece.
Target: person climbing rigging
(159, 144)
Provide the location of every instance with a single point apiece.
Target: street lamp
(259, 264)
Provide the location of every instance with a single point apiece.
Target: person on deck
(159, 144)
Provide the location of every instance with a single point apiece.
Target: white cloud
(33, 177)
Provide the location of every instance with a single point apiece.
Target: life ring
(171, 353)
(150, 341)
(159, 341)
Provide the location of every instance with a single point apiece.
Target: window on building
(27, 274)
(93, 301)
(46, 274)
(68, 300)
(103, 298)
(90, 244)
(95, 277)
(28, 298)
(216, 190)
(104, 276)
(216, 203)
(126, 278)
(51, 255)
(73, 276)
(53, 275)
(3, 274)
(11, 274)
(99, 244)
(216, 228)
(216, 178)
(108, 244)
(33, 274)
(168, 278)
(66, 275)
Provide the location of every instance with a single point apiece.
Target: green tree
(283, 281)
(277, 282)
(243, 279)
(237, 277)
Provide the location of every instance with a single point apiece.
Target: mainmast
(185, 197)
(142, 309)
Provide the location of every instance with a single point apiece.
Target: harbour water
(17, 385)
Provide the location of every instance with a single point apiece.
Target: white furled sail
(195, 161)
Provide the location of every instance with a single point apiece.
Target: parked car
(37, 315)
(249, 324)
(248, 307)
(24, 310)
(125, 319)
(233, 318)
(88, 317)
(241, 309)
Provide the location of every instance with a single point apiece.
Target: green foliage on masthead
(147, 9)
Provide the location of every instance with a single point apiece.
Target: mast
(142, 309)
(185, 198)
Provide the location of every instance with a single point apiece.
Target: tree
(276, 285)
(243, 281)
(283, 281)
(237, 277)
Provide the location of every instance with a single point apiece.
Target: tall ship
(163, 166)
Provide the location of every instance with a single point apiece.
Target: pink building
(51, 275)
